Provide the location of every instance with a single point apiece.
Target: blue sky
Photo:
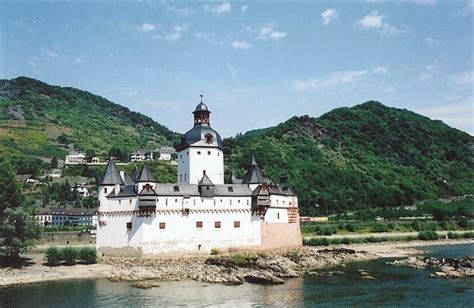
(257, 63)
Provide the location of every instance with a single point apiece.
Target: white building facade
(75, 158)
(139, 216)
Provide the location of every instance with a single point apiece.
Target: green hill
(367, 155)
(39, 121)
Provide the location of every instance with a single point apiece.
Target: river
(393, 286)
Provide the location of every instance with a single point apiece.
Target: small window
(209, 138)
(176, 188)
(207, 187)
(199, 152)
(208, 152)
(230, 188)
(199, 224)
(278, 215)
(181, 156)
(129, 226)
(187, 153)
(162, 225)
(175, 200)
(130, 201)
(238, 201)
(166, 201)
(180, 178)
(105, 190)
(237, 224)
(120, 201)
(217, 224)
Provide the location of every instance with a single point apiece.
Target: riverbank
(268, 267)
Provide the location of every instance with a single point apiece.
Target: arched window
(209, 138)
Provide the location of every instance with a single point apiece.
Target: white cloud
(429, 72)
(176, 33)
(201, 35)
(48, 53)
(244, 8)
(328, 16)
(147, 27)
(267, 32)
(425, 76)
(241, 45)
(334, 79)
(376, 21)
(78, 60)
(176, 10)
(329, 81)
(463, 78)
(457, 113)
(380, 70)
(468, 8)
(432, 40)
(221, 8)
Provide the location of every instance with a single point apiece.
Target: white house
(165, 153)
(141, 155)
(75, 158)
(138, 216)
(61, 217)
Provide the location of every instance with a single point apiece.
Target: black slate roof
(254, 174)
(111, 175)
(197, 136)
(145, 174)
(206, 181)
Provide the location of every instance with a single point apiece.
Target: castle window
(129, 226)
(238, 201)
(208, 152)
(230, 202)
(166, 201)
(199, 152)
(181, 156)
(237, 224)
(175, 200)
(187, 153)
(120, 201)
(185, 177)
(130, 201)
(180, 177)
(162, 225)
(278, 215)
(247, 202)
(194, 201)
(230, 189)
(217, 224)
(105, 190)
(176, 188)
(199, 224)
(209, 138)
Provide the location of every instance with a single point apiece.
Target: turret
(145, 178)
(254, 175)
(206, 187)
(110, 180)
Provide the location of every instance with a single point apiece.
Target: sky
(257, 63)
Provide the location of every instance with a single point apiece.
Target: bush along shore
(262, 268)
(423, 235)
(70, 256)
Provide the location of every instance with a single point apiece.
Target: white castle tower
(200, 151)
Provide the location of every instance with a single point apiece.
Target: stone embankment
(262, 268)
(448, 268)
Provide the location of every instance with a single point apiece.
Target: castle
(199, 213)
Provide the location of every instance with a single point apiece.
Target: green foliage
(427, 235)
(88, 255)
(69, 255)
(360, 157)
(18, 230)
(215, 251)
(53, 256)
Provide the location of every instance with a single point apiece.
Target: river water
(394, 286)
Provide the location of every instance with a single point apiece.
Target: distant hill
(367, 155)
(39, 121)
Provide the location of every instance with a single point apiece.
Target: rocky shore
(448, 268)
(262, 268)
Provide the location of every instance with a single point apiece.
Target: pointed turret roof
(254, 174)
(205, 180)
(127, 180)
(111, 175)
(135, 174)
(145, 174)
(234, 179)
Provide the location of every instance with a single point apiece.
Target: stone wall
(64, 238)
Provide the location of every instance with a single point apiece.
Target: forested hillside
(39, 121)
(367, 155)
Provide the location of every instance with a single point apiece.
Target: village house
(61, 217)
(138, 215)
(166, 153)
(141, 155)
(75, 158)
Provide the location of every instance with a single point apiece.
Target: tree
(18, 230)
(54, 163)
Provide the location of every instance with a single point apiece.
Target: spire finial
(201, 96)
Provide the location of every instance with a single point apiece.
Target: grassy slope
(39, 120)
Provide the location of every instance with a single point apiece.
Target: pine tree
(54, 162)
(18, 230)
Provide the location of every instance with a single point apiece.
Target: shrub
(88, 255)
(346, 240)
(468, 235)
(379, 227)
(452, 235)
(350, 227)
(52, 255)
(427, 235)
(215, 251)
(69, 255)
(446, 225)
